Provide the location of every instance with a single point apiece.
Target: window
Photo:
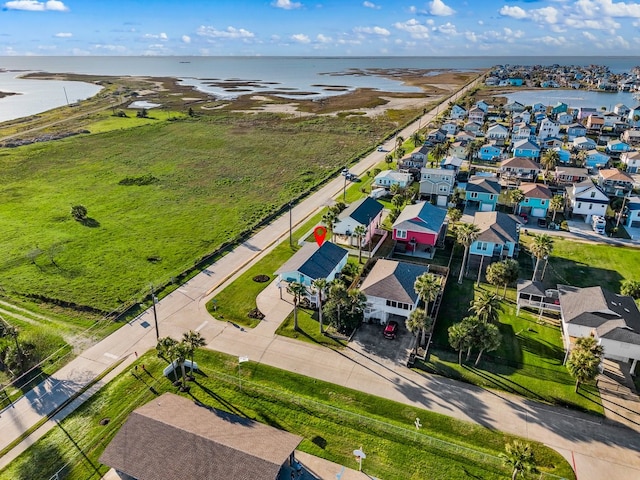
(593, 194)
(483, 246)
(526, 200)
(543, 202)
(391, 303)
(491, 197)
(579, 205)
(590, 206)
(474, 194)
(401, 234)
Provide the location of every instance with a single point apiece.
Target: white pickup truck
(598, 223)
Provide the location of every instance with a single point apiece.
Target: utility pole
(155, 312)
(624, 200)
(290, 225)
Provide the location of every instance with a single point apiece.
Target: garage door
(635, 224)
(486, 207)
(538, 212)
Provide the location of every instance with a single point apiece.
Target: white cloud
(186, 39)
(605, 23)
(513, 33)
(371, 5)
(471, 36)
(286, 4)
(595, 8)
(439, 9)
(513, 12)
(590, 36)
(35, 6)
(373, 31)
(553, 41)
(63, 35)
(230, 32)
(414, 28)
(300, 38)
(448, 29)
(160, 36)
(323, 38)
(110, 48)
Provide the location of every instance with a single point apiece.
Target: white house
(633, 217)
(632, 161)
(497, 132)
(564, 118)
(388, 178)
(389, 290)
(437, 182)
(587, 199)
(476, 115)
(612, 319)
(584, 143)
(520, 131)
(547, 129)
(365, 213)
(450, 127)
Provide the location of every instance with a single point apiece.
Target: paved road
(599, 449)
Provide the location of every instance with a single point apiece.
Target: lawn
(529, 362)
(211, 178)
(587, 264)
(330, 418)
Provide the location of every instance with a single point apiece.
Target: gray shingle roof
(421, 217)
(173, 438)
(393, 280)
(483, 185)
(363, 211)
(613, 316)
(531, 288)
(314, 262)
(497, 227)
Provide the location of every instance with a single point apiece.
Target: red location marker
(320, 233)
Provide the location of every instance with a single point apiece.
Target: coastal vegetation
(443, 448)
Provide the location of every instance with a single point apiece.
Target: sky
(320, 27)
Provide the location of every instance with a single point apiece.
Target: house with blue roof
(483, 192)
(576, 130)
(564, 156)
(596, 159)
(365, 213)
(559, 107)
(526, 148)
(312, 262)
(516, 82)
(617, 146)
(489, 152)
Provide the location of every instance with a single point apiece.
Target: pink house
(419, 227)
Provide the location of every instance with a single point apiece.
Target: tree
(166, 348)
(519, 457)
(320, 285)
(630, 288)
(487, 307)
(398, 201)
(376, 171)
(394, 189)
(296, 289)
(360, 231)
(555, 205)
(416, 138)
(466, 234)
(513, 272)
(549, 160)
(583, 366)
(330, 218)
(472, 150)
(516, 196)
(182, 350)
(400, 151)
(581, 158)
(194, 340)
(79, 213)
(357, 301)
(343, 309)
(439, 152)
(454, 215)
(496, 274)
(589, 344)
(458, 339)
(487, 339)
(418, 322)
(389, 160)
(399, 141)
(541, 247)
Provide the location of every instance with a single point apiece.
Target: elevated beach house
(365, 213)
(312, 262)
(587, 199)
(482, 193)
(536, 199)
(499, 236)
(419, 228)
(390, 292)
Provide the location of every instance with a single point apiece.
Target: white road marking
(202, 325)
(111, 355)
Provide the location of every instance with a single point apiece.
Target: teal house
(536, 201)
(499, 236)
(482, 193)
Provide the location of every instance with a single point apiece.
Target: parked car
(381, 149)
(524, 217)
(391, 330)
(542, 222)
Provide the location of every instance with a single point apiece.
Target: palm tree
(357, 300)
(415, 323)
(516, 196)
(519, 457)
(399, 141)
(556, 204)
(487, 340)
(329, 219)
(459, 338)
(583, 366)
(487, 307)
(466, 234)
(398, 201)
(194, 340)
(320, 286)
(581, 158)
(297, 289)
(630, 288)
(496, 274)
(589, 344)
(416, 138)
(427, 286)
(541, 247)
(439, 151)
(549, 160)
(472, 150)
(454, 215)
(166, 347)
(182, 350)
(394, 189)
(389, 159)
(360, 231)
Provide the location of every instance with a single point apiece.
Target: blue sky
(320, 27)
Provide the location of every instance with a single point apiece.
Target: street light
(345, 174)
(154, 300)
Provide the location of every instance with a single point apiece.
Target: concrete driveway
(369, 340)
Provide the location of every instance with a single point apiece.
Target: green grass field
(215, 177)
(330, 418)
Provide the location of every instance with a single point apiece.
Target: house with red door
(419, 228)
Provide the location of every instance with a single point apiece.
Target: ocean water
(288, 76)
